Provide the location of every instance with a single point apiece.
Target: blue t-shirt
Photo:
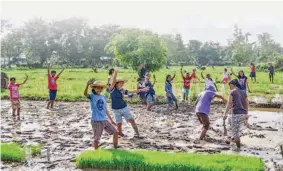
(204, 102)
(98, 107)
(117, 98)
(271, 69)
(243, 82)
(150, 90)
(168, 88)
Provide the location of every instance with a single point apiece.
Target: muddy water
(66, 131)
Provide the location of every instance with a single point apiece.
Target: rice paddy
(143, 160)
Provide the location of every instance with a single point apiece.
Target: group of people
(237, 103)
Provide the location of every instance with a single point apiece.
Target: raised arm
(25, 80)
(61, 71)
(202, 75)
(233, 73)
(154, 81)
(114, 79)
(86, 88)
(174, 75)
(48, 68)
(182, 73)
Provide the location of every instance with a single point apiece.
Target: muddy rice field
(65, 131)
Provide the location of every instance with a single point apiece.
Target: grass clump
(35, 149)
(143, 160)
(12, 152)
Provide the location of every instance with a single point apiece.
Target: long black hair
(236, 83)
(111, 71)
(167, 76)
(240, 75)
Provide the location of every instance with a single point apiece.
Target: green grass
(12, 152)
(72, 82)
(142, 160)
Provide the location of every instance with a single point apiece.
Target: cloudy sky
(203, 21)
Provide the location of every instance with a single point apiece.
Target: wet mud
(66, 131)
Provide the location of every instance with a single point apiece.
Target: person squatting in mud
(150, 93)
(171, 98)
(52, 85)
(14, 94)
(187, 84)
(99, 111)
(119, 106)
(203, 107)
(237, 106)
(208, 81)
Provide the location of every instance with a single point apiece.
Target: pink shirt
(14, 91)
(52, 82)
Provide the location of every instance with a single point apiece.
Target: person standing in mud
(187, 84)
(203, 107)
(208, 81)
(171, 98)
(150, 93)
(99, 112)
(237, 106)
(271, 72)
(119, 106)
(142, 72)
(252, 73)
(52, 85)
(243, 80)
(14, 95)
(194, 76)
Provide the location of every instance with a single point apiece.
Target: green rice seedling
(12, 152)
(35, 149)
(144, 160)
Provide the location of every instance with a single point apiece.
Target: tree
(171, 44)
(133, 47)
(181, 50)
(193, 49)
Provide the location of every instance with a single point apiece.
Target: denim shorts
(119, 113)
(52, 94)
(171, 99)
(150, 98)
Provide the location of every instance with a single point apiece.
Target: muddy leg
(13, 112)
(119, 129)
(135, 127)
(184, 96)
(52, 102)
(150, 105)
(115, 139)
(48, 104)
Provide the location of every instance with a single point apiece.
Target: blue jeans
(52, 94)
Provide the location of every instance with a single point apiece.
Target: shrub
(143, 160)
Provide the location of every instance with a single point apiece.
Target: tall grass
(72, 82)
(12, 152)
(142, 160)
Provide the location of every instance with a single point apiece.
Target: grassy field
(72, 82)
(142, 160)
(16, 153)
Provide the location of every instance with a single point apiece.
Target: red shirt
(14, 91)
(194, 75)
(52, 82)
(187, 82)
(252, 68)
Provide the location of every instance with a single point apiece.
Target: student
(150, 93)
(208, 81)
(14, 94)
(99, 111)
(252, 73)
(194, 76)
(52, 85)
(171, 98)
(119, 106)
(243, 80)
(225, 79)
(203, 107)
(187, 83)
(237, 105)
(271, 72)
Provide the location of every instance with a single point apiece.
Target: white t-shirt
(208, 83)
(225, 74)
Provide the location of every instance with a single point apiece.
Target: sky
(204, 21)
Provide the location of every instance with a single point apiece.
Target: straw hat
(120, 79)
(98, 83)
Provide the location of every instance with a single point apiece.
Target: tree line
(73, 42)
